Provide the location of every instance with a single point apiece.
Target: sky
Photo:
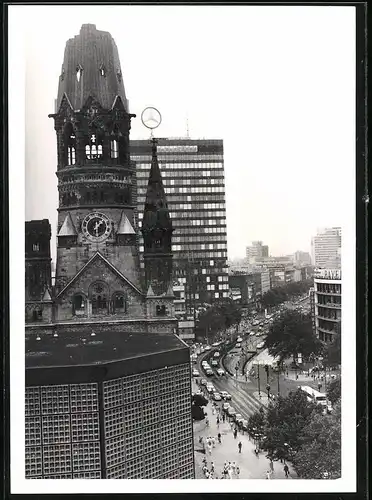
(276, 84)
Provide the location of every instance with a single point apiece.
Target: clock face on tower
(96, 227)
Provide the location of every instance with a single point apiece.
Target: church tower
(96, 179)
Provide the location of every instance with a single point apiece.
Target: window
(102, 70)
(79, 72)
(93, 150)
(78, 305)
(114, 148)
(119, 303)
(36, 247)
(99, 298)
(161, 311)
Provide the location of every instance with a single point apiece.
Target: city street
(251, 466)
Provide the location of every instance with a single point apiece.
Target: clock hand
(96, 226)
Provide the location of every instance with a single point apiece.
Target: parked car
(203, 381)
(209, 372)
(260, 345)
(225, 395)
(217, 396)
(238, 418)
(231, 411)
(239, 339)
(216, 354)
(220, 372)
(195, 373)
(210, 389)
(216, 344)
(244, 424)
(238, 345)
(225, 406)
(207, 348)
(214, 362)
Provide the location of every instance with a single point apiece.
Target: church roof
(68, 228)
(91, 67)
(46, 296)
(125, 227)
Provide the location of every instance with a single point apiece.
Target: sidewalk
(251, 466)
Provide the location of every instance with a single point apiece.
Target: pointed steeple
(125, 227)
(156, 213)
(68, 228)
(150, 292)
(46, 296)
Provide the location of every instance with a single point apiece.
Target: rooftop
(89, 347)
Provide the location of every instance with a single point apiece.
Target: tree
(320, 453)
(285, 421)
(256, 424)
(209, 320)
(198, 401)
(334, 390)
(290, 334)
(230, 312)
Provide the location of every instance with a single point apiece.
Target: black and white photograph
(184, 180)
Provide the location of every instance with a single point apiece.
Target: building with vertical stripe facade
(193, 177)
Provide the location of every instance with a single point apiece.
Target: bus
(315, 396)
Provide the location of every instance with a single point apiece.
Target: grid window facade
(134, 444)
(33, 461)
(151, 438)
(84, 397)
(184, 426)
(32, 403)
(133, 416)
(56, 459)
(152, 465)
(59, 476)
(117, 472)
(32, 431)
(135, 468)
(96, 474)
(85, 426)
(150, 411)
(166, 380)
(150, 384)
(132, 388)
(170, 458)
(169, 432)
(55, 399)
(187, 472)
(185, 451)
(114, 422)
(115, 451)
(56, 429)
(167, 405)
(86, 456)
(113, 393)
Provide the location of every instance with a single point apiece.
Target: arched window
(70, 145)
(98, 294)
(94, 149)
(114, 148)
(78, 305)
(161, 311)
(119, 303)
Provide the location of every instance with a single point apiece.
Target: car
(260, 345)
(220, 372)
(207, 348)
(239, 339)
(217, 396)
(238, 345)
(231, 411)
(216, 354)
(209, 372)
(216, 344)
(225, 395)
(206, 367)
(244, 424)
(203, 381)
(225, 406)
(214, 362)
(252, 333)
(238, 418)
(195, 373)
(211, 388)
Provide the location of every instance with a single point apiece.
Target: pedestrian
(219, 437)
(212, 467)
(213, 442)
(218, 421)
(213, 410)
(237, 471)
(207, 422)
(233, 466)
(210, 450)
(223, 418)
(286, 470)
(271, 466)
(205, 462)
(235, 433)
(201, 440)
(240, 446)
(268, 474)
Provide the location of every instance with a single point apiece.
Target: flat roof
(89, 347)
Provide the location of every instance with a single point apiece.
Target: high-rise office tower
(108, 384)
(193, 178)
(326, 248)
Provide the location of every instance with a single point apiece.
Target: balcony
(324, 330)
(332, 305)
(336, 320)
(331, 294)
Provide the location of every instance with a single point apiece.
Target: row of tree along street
(281, 294)
(294, 429)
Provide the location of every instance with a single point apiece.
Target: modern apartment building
(327, 303)
(326, 248)
(193, 178)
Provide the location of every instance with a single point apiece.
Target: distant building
(249, 287)
(302, 258)
(256, 252)
(327, 303)
(193, 177)
(326, 248)
(265, 281)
